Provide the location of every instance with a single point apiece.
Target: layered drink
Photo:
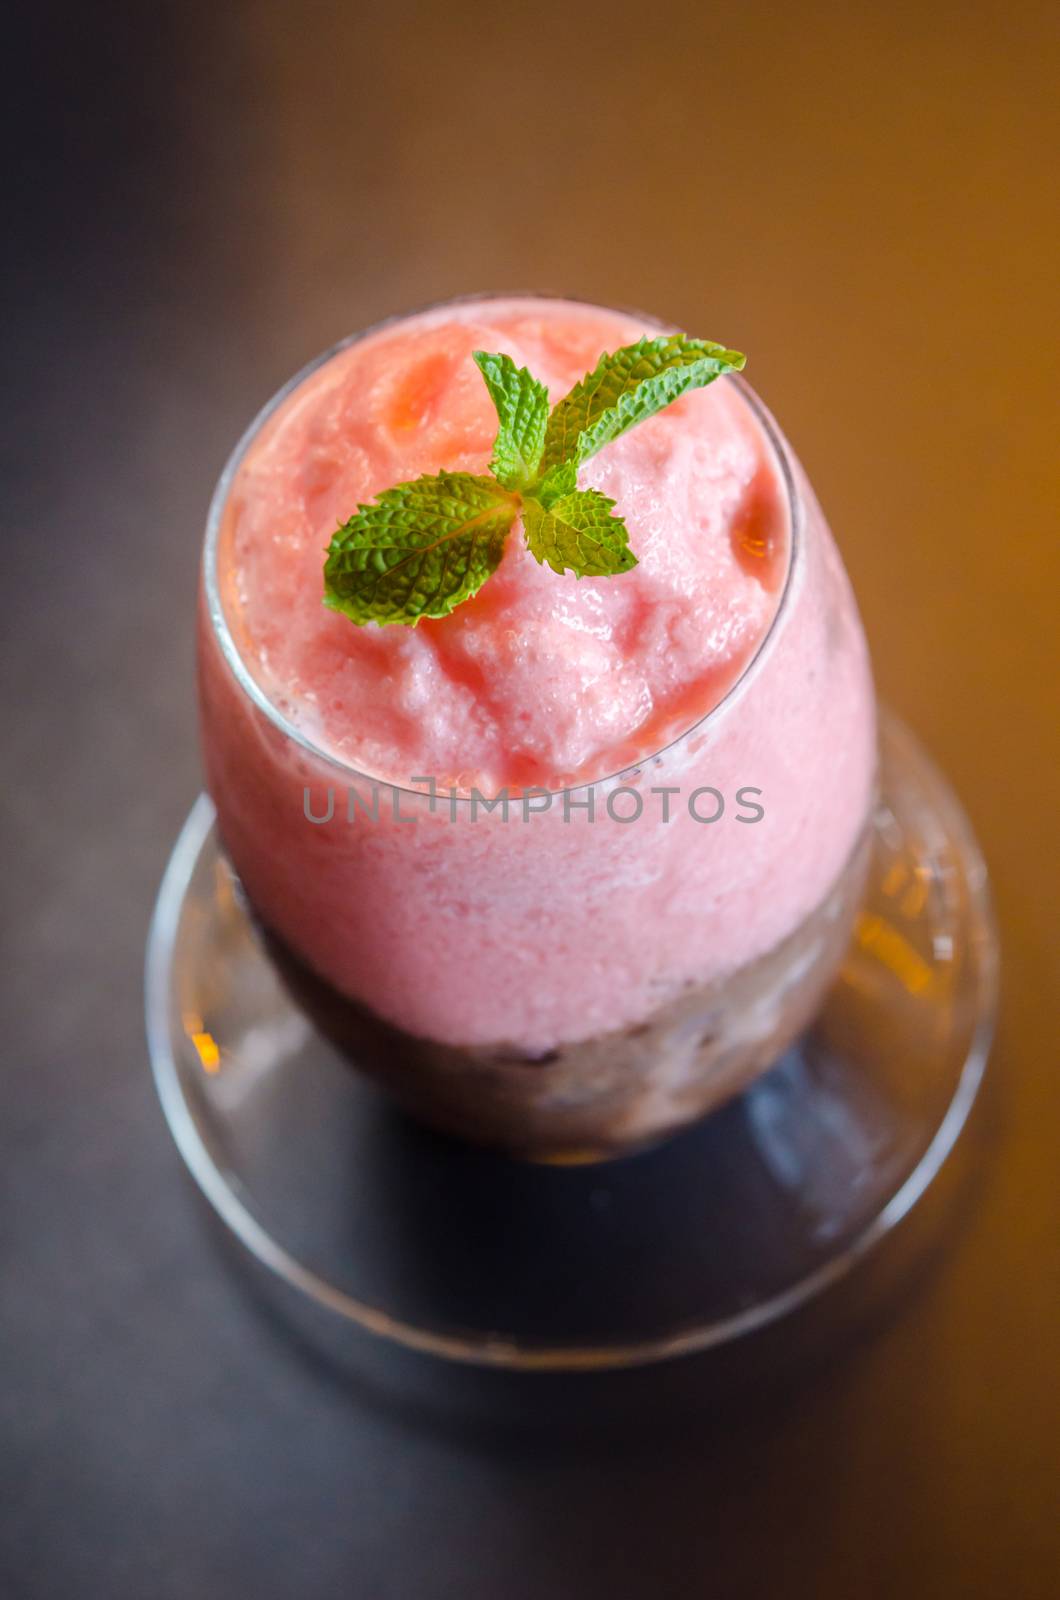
(573, 863)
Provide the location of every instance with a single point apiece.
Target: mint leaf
(522, 407)
(578, 532)
(419, 550)
(624, 388)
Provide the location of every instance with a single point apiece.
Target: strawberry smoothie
(687, 749)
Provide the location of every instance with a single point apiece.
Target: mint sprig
(422, 548)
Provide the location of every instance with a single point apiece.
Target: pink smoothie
(549, 926)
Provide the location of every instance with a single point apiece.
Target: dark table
(202, 197)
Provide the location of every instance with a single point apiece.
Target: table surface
(201, 198)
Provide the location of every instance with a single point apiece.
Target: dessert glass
(297, 924)
(709, 887)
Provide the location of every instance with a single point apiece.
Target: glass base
(471, 1255)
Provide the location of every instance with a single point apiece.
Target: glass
(783, 1087)
(673, 1035)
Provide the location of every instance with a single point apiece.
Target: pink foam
(538, 679)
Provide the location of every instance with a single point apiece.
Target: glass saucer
(470, 1255)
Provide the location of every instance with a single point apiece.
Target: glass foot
(473, 1256)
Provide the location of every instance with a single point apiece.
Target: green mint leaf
(522, 407)
(626, 387)
(578, 532)
(419, 550)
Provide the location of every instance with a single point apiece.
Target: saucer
(470, 1255)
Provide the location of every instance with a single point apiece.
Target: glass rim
(250, 686)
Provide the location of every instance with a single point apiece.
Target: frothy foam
(539, 679)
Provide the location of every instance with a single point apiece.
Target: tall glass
(642, 945)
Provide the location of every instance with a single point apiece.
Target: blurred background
(201, 197)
